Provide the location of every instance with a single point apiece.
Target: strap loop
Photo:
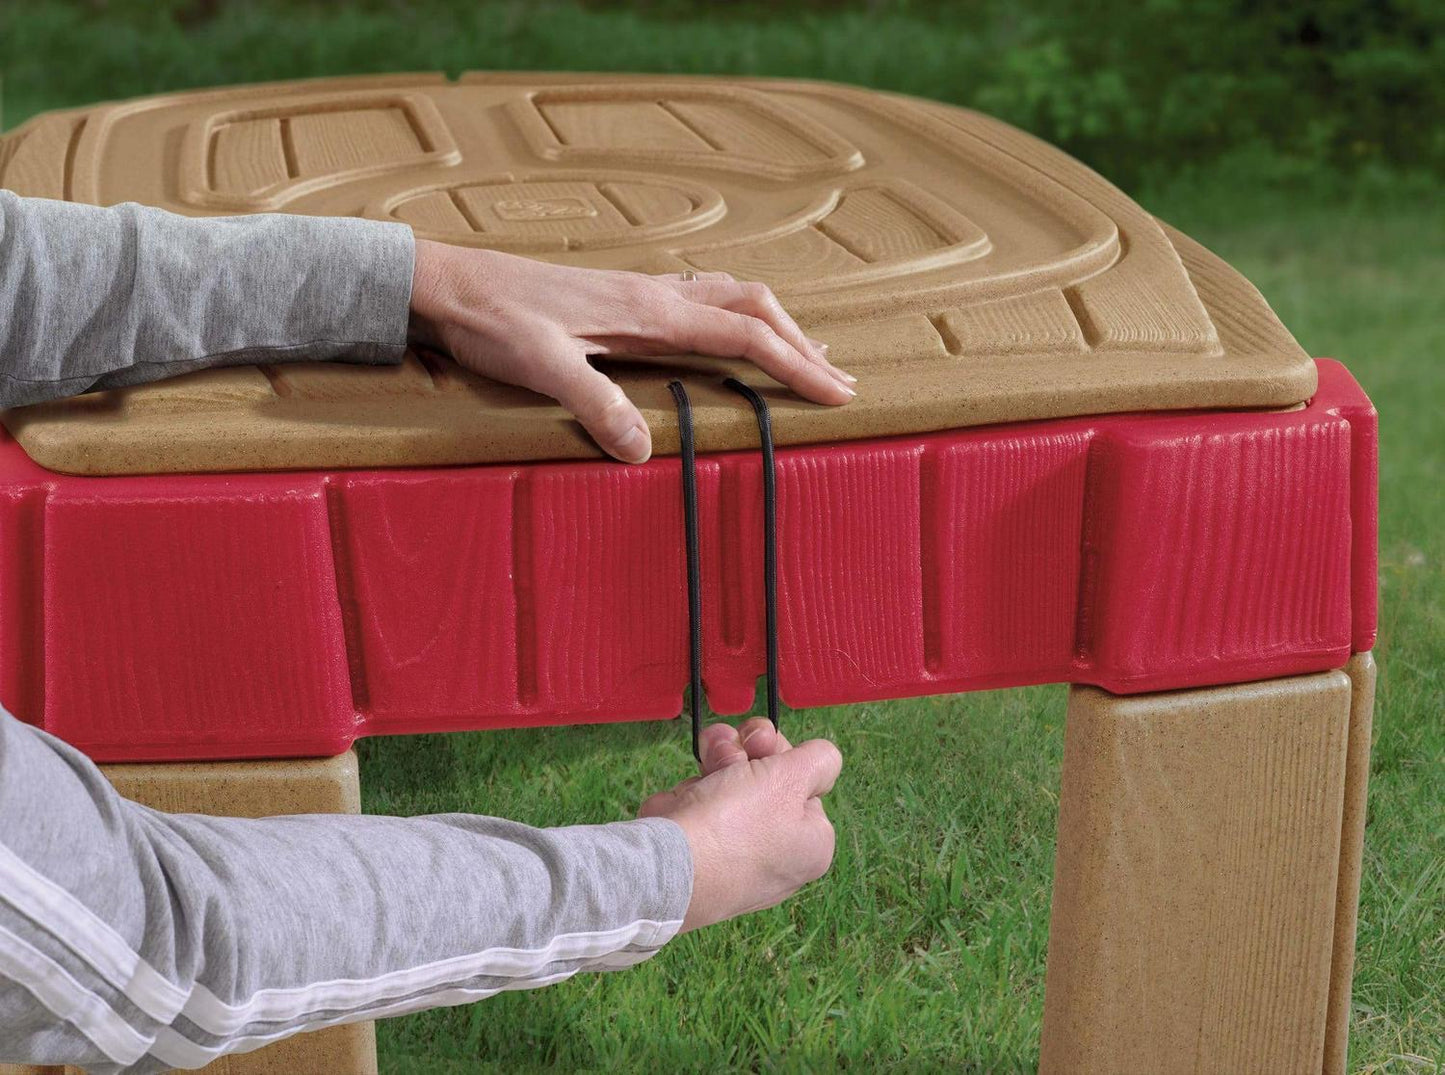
(770, 535)
(694, 556)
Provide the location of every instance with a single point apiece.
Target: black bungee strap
(770, 535)
(694, 557)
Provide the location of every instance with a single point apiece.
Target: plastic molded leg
(1361, 671)
(1200, 882)
(339, 1049)
(257, 789)
(243, 788)
(343, 1050)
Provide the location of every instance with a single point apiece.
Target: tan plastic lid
(964, 271)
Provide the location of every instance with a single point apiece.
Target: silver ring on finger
(688, 276)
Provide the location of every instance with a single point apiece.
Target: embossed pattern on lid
(964, 271)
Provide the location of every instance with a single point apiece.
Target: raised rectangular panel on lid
(333, 381)
(854, 236)
(260, 158)
(37, 162)
(248, 155)
(1028, 324)
(649, 203)
(804, 253)
(327, 142)
(912, 338)
(718, 126)
(879, 224)
(615, 124)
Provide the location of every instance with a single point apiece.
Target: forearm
(101, 297)
(168, 939)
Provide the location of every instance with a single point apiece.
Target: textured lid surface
(964, 271)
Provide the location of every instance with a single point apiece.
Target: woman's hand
(754, 819)
(533, 324)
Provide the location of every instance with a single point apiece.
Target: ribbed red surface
(285, 614)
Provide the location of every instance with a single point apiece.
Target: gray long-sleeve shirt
(132, 940)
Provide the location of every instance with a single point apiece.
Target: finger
(757, 300)
(712, 331)
(760, 739)
(816, 764)
(754, 299)
(824, 840)
(823, 347)
(720, 747)
(697, 277)
(604, 410)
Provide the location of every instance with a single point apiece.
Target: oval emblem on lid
(554, 211)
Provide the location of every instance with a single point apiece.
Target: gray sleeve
(101, 297)
(132, 940)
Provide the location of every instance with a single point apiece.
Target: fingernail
(634, 446)
(751, 732)
(846, 388)
(819, 345)
(843, 374)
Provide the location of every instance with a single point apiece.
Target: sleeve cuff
(365, 267)
(674, 872)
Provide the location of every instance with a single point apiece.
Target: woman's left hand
(534, 324)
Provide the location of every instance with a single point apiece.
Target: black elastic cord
(694, 559)
(694, 556)
(770, 536)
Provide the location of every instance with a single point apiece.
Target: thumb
(604, 411)
(815, 766)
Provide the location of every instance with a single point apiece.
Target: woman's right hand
(754, 819)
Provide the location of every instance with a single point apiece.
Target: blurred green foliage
(1139, 88)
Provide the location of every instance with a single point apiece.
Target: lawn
(924, 947)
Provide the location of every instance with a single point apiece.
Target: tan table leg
(1361, 671)
(1204, 897)
(257, 789)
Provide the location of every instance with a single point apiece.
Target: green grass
(924, 947)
